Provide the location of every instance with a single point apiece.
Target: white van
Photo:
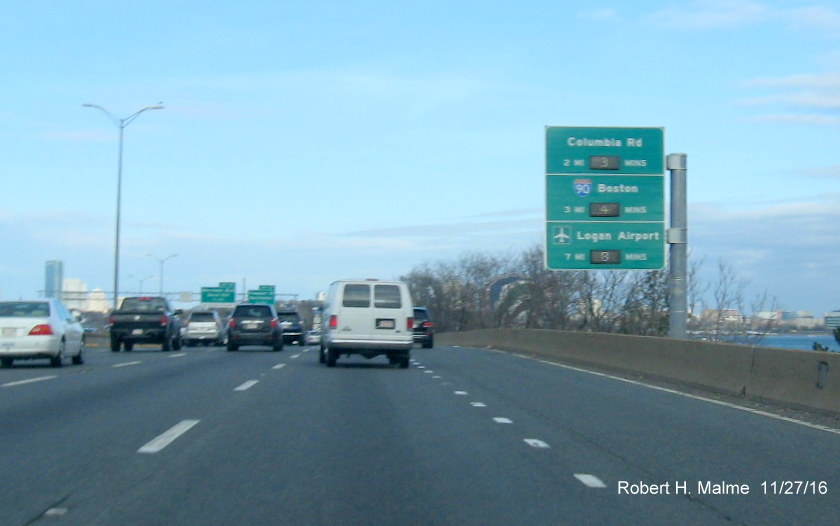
(370, 318)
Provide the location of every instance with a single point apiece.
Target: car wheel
(6, 362)
(79, 359)
(321, 356)
(232, 346)
(278, 345)
(129, 346)
(177, 343)
(332, 357)
(429, 343)
(115, 344)
(58, 359)
(166, 345)
(404, 361)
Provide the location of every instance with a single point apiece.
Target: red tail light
(428, 325)
(275, 323)
(164, 320)
(231, 324)
(112, 319)
(333, 321)
(41, 330)
(410, 324)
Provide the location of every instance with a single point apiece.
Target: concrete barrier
(806, 379)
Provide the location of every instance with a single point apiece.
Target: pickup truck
(145, 319)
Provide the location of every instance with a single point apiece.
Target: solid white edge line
(126, 364)
(590, 481)
(168, 437)
(692, 396)
(29, 381)
(247, 385)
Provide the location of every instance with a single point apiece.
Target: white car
(368, 318)
(40, 329)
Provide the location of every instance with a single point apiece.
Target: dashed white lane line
(590, 481)
(247, 385)
(536, 443)
(179, 355)
(125, 364)
(29, 381)
(502, 420)
(168, 437)
(295, 356)
(461, 393)
(279, 366)
(478, 404)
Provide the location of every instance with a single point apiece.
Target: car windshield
(24, 309)
(252, 311)
(201, 316)
(144, 304)
(289, 316)
(356, 295)
(387, 297)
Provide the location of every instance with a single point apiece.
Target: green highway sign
(605, 198)
(218, 295)
(589, 150)
(264, 294)
(592, 246)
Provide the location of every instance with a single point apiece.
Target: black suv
(424, 328)
(292, 325)
(254, 324)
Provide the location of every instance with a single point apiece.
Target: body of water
(800, 341)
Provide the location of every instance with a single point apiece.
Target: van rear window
(356, 295)
(387, 297)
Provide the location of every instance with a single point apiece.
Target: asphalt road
(463, 437)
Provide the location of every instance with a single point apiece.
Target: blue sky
(303, 142)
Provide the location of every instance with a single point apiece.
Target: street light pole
(141, 283)
(121, 124)
(161, 262)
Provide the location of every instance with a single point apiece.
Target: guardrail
(806, 379)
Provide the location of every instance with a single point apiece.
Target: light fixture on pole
(121, 124)
(161, 261)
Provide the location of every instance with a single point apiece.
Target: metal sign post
(678, 248)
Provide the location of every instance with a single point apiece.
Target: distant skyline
(304, 142)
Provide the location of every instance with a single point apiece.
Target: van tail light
(41, 330)
(333, 321)
(410, 324)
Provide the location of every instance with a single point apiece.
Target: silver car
(40, 329)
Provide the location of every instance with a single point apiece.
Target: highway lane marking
(168, 437)
(29, 381)
(179, 355)
(126, 364)
(502, 420)
(478, 404)
(590, 481)
(247, 385)
(536, 443)
(429, 372)
(461, 393)
(279, 366)
(295, 356)
(694, 397)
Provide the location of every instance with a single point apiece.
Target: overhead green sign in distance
(217, 295)
(604, 150)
